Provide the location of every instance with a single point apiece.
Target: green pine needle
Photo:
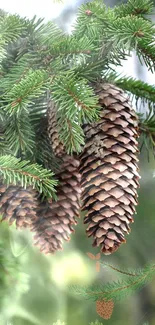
(15, 171)
(120, 289)
(134, 7)
(140, 89)
(76, 104)
(11, 27)
(25, 91)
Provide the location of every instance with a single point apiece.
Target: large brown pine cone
(18, 204)
(109, 170)
(55, 219)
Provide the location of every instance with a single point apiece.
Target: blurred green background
(34, 289)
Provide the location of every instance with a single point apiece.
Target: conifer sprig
(76, 104)
(11, 27)
(129, 30)
(134, 7)
(140, 89)
(16, 171)
(19, 134)
(117, 290)
(24, 91)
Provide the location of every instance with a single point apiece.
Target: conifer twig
(16, 171)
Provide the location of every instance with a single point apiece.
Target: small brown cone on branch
(18, 205)
(56, 219)
(104, 308)
(109, 169)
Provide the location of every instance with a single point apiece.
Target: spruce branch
(146, 54)
(147, 129)
(140, 89)
(133, 33)
(19, 134)
(118, 289)
(96, 67)
(76, 104)
(134, 7)
(15, 73)
(31, 86)
(92, 19)
(48, 34)
(129, 31)
(16, 171)
(4, 146)
(123, 272)
(68, 48)
(71, 134)
(11, 27)
(76, 91)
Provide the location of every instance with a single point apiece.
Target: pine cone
(57, 145)
(55, 219)
(18, 204)
(109, 170)
(104, 308)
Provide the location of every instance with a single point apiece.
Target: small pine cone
(104, 308)
(57, 145)
(18, 204)
(55, 219)
(109, 170)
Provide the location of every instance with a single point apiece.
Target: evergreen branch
(15, 73)
(96, 67)
(16, 171)
(11, 27)
(71, 135)
(132, 32)
(31, 86)
(138, 88)
(69, 47)
(19, 134)
(34, 26)
(92, 19)
(146, 51)
(74, 96)
(49, 34)
(120, 289)
(76, 104)
(147, 129)
(4, 146)
(124, 272)
(129, 31)
(134, 7)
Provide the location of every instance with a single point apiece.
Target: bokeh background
(35, 289)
